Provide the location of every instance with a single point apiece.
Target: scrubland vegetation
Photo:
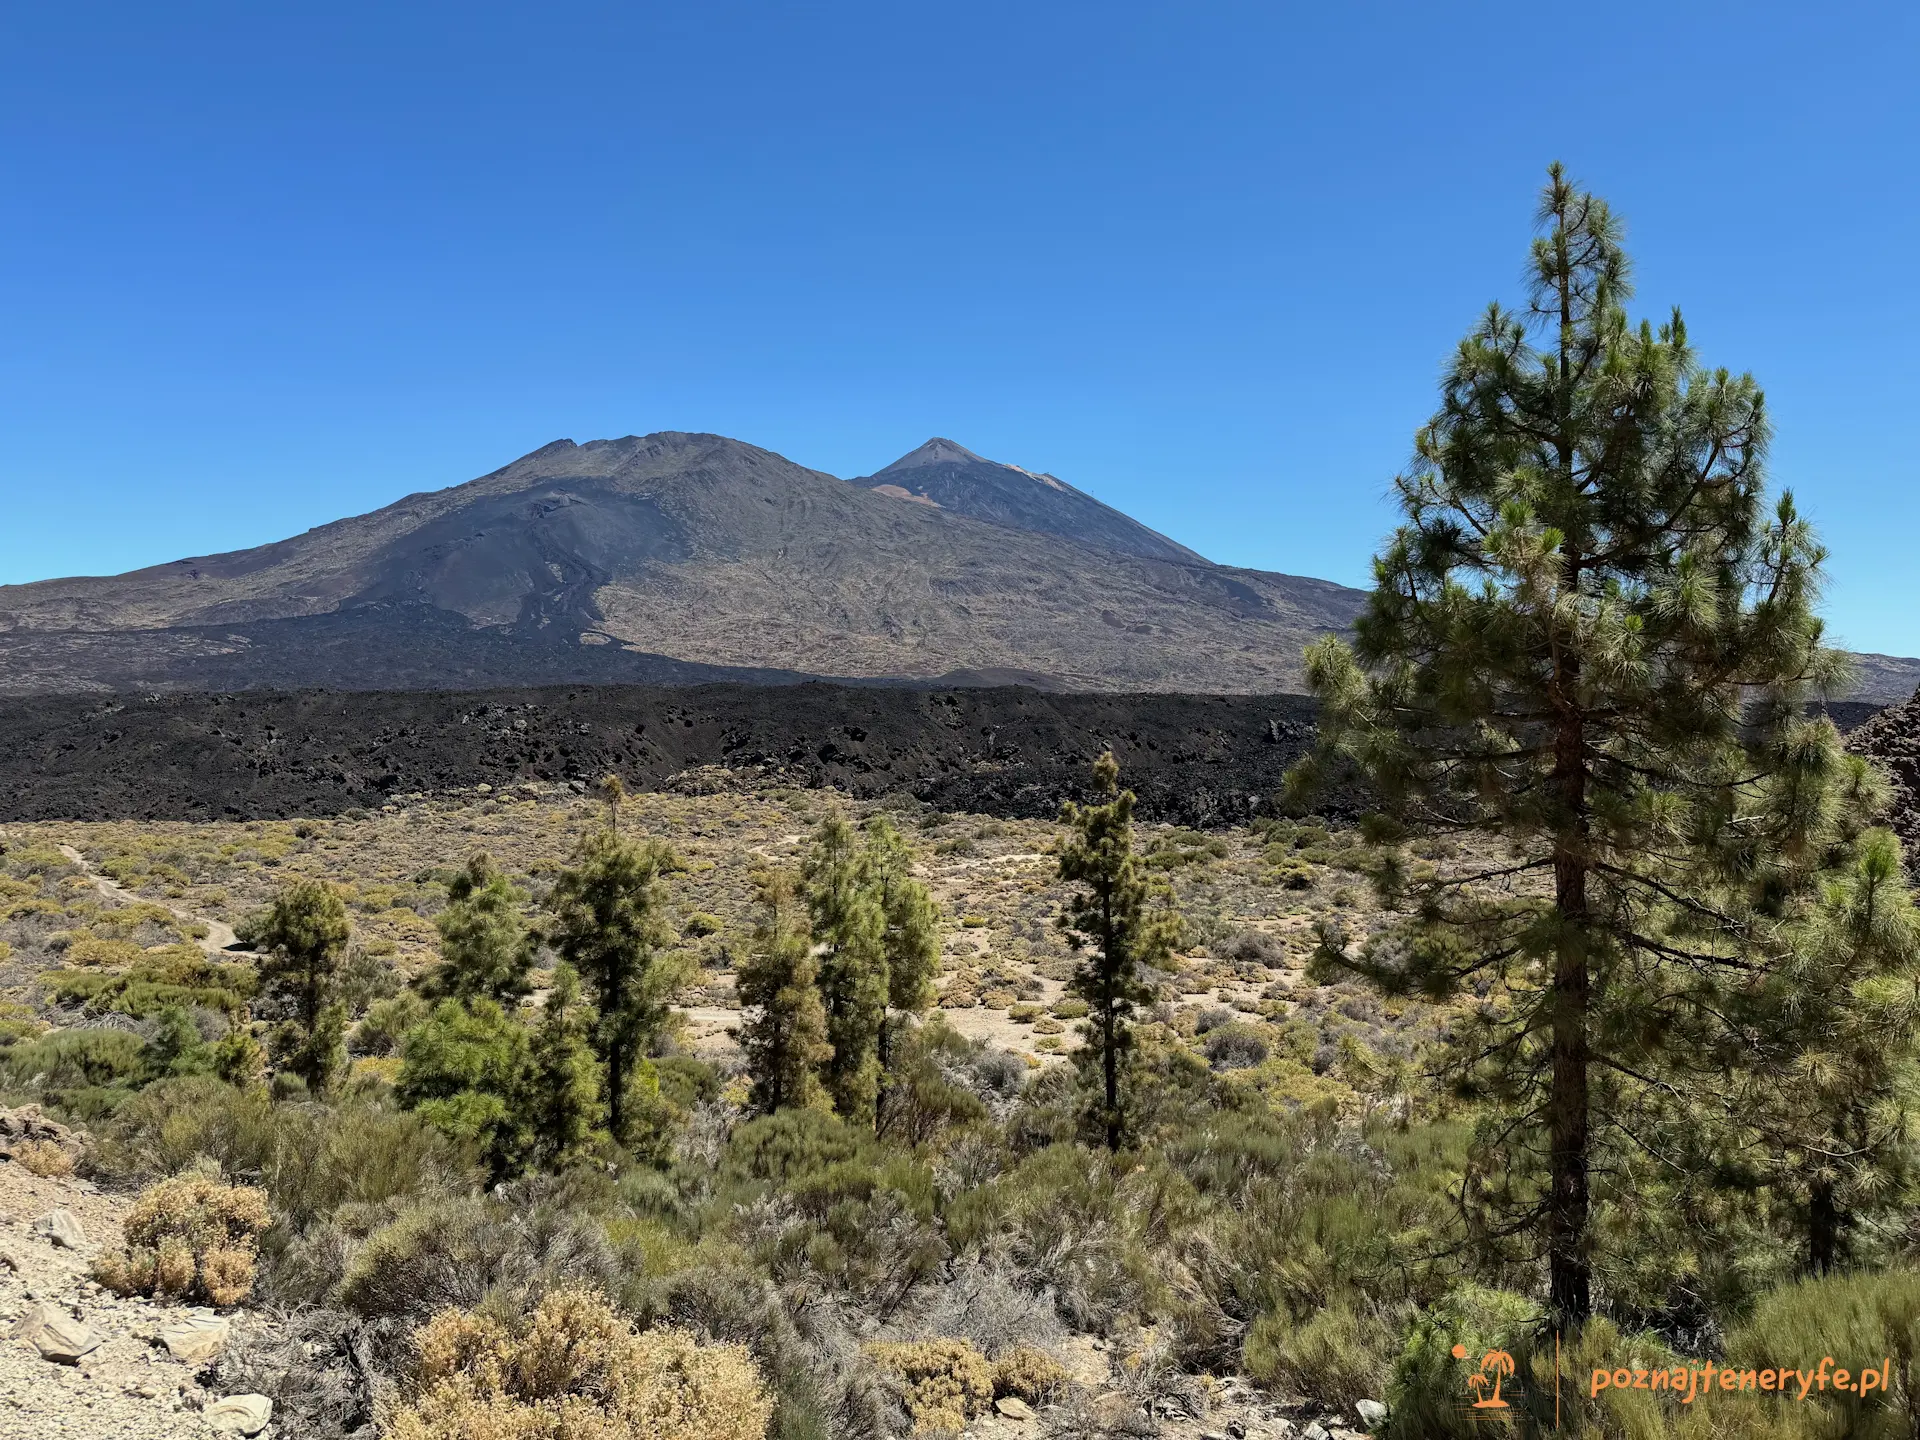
(559, 1114)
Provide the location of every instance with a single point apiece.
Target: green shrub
(1334, 1358)
(311, 1159)
(180, 975)
(386, 1024)
(1425, 1395)
(1858, 1319)
(700, 924)
(87, 1074)
(440, 1251)
(790, 1144)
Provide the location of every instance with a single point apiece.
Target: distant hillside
(678, 558)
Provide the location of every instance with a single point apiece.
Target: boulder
(1013, 1407)
(197, 1340)
(55, 1334)
(1315, 1431)
(239, 1414)
(1371, 1412)
(61, 1228)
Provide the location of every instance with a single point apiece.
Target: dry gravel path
(219, 935)
(129, 1388)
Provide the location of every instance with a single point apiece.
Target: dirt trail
(219, 936)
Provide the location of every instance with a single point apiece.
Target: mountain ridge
(680, 549)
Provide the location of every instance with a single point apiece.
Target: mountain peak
(935, 451)
(945, 474)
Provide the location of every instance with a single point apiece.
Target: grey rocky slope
(951, 477)
(676, 557)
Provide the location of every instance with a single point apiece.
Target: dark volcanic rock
(1892, 738)
(1195, 759)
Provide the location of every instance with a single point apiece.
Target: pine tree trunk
(880, 1088)
(1570, 1281)
(1823, 1228)
(1570, 1277)
(1112, 1069)
(617, 1087)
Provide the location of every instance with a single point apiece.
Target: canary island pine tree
(911, 937)
(1591, 644)
(486, 946)
(1823, 1059)
(849, 929)
(611, 925)
(1122, 923)
(302, 937)
(785, 1033)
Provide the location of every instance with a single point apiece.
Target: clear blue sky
(265, 265)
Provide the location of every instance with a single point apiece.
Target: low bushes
(575, 1371)
(310, 1159)
(943, 1383)
(189, 1238)
(43, 1158)
(1030, 1375)
(1333, 1358)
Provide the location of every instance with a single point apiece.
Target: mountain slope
(953, 478)
(677, 557)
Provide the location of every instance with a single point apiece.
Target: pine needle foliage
(911, 934)
(1832, 1095)
(1122, 922)
(611, 924)
(303, 936)
(1592, 642)
(785, 1036)
(849, 928)
(563, 1103)
(486, 946)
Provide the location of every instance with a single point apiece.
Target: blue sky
(263, 266)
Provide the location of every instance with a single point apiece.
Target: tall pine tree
(486, 946)
(911, 937)
(562, 1099)
(1122, 921)
(849, 926)
(303, 937)
(1590, 642)
(611, 925)
(785, 1034)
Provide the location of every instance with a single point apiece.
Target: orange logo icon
(1495, 1366)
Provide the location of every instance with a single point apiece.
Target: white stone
(239, 1414)
(61, 1228)
(55, 1334)
(1371, 1412)
(197, 1339)
(1013, 1407)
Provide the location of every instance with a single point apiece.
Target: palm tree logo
(1495, 1366)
